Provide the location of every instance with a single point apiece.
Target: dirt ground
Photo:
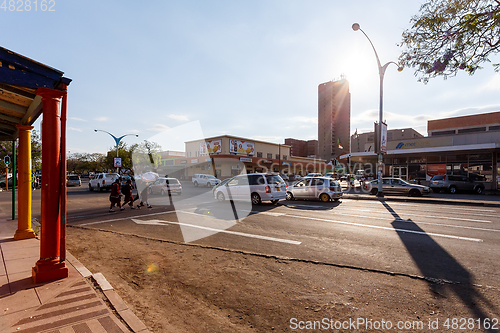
(186, 288)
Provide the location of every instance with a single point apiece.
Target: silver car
(397, 186)
(322, 188)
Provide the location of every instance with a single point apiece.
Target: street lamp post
(117, 140)
(381, 71)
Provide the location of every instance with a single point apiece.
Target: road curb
(117, 304)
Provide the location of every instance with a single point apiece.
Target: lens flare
(151, 268)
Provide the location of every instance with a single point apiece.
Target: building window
(472, 130)
(277, 156)
(259, 154)
(285, 157)
(443, 133)
(269, 155)
(494, 128)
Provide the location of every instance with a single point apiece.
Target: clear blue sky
(244, 68)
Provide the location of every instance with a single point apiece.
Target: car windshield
(438, 177)
(211, 177)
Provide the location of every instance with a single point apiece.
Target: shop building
(226, 156)
(468, 145)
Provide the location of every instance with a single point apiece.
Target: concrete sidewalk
(83, 302)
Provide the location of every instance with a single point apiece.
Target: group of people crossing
(117, 190)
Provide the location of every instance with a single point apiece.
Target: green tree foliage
(124, 152)
(146, 156)
(36, 151)
(81, 163)
(448, 36)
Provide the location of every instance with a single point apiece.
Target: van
(455, 183)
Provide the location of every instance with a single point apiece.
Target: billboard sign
(214, 146)
(241, 147)
(383, 139)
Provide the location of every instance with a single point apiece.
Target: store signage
(246, 159)
(194, 161)
(266, 161)
(241, 147)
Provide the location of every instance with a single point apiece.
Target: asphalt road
(447, 242)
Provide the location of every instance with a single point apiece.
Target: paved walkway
(63, 306)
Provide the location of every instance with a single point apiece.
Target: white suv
(204, 180)
(254, 187)
(102, 181)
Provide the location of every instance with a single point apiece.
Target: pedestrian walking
(127, 192)
(142, 193)
(114, 196)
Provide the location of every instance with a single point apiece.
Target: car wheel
(91, 188)
(255, 198)
(274, 202)
(453, 189)
(162, 192)
(196, 184)
(150, 190)
(324, 197)
(209, 185)
(414, 193)
(289, 196)
(479, 190)
(374, 191)
(221, 197)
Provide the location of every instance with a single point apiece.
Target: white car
(254, 187)
(204, 180)
(102, 181)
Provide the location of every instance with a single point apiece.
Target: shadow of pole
(443, 272)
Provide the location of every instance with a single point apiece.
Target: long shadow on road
(443, 272)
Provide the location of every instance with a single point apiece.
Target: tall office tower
(334, 119)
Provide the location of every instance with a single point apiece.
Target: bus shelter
(29, 90)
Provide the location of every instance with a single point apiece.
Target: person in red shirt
(114, 196)
(127, 191)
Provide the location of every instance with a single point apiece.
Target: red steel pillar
(49, 266)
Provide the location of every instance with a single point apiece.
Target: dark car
(455, 183)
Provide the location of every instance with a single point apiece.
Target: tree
(36, 151)
(451, 35)
(124, 152)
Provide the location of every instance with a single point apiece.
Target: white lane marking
(122, 218)
(387, 228)
(414, 215)
(430, 205)
(287, 241)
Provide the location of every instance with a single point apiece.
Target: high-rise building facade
(334, 119)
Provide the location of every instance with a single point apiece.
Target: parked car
(322, 188)
(165, 186)
(454, 183)
(204, 180)
(256, 187)
(2, 182)
(73, 180)
(125, 178)
(102, 181)
(223, 182)
(397, 186)
(314, 174)
(284, 176)
(329, 175)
